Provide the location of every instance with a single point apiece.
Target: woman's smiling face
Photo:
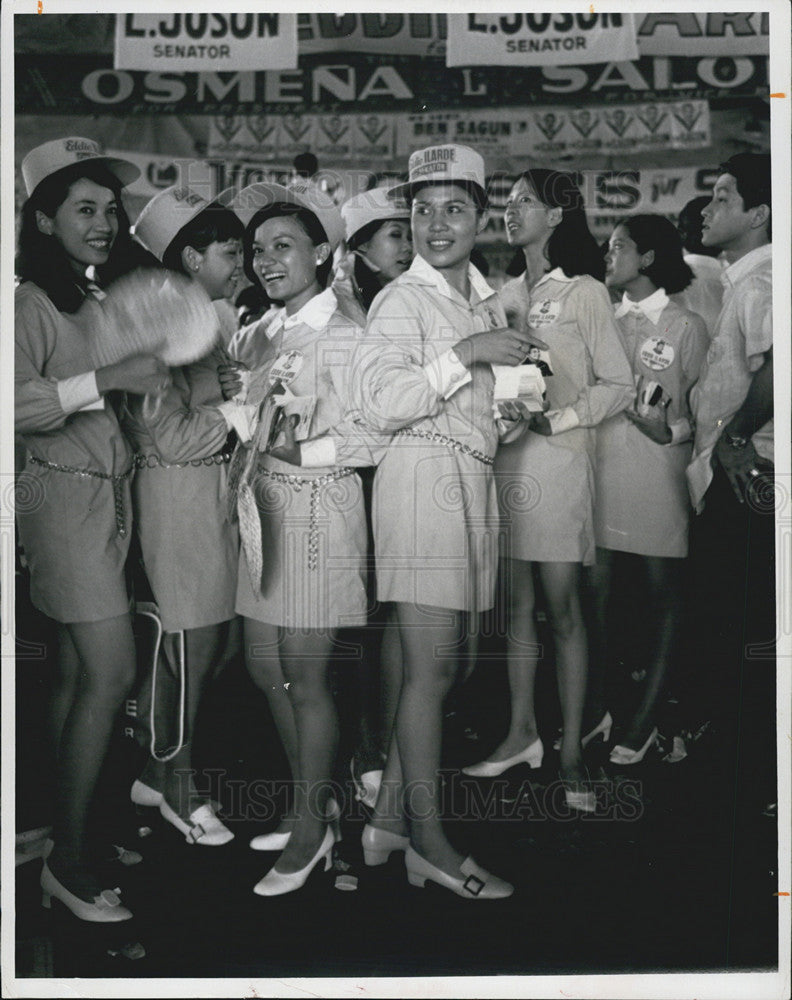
(285, 261)
(445, 224)
(85, 224)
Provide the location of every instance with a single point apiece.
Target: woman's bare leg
(561, 583)
(263, 660)
(523, 652)
(305, 657)
(430, 668)
(107, 671)
(665, 592)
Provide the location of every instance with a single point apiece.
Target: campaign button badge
(287, 367)
(657, 354)
(544, 313)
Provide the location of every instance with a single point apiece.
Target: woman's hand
(539, 424)
(141, 374)
(504, 346)
(289, 449)
(513, 410)
(230, 381)
(655, 428)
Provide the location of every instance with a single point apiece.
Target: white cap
(261, 195)
(371, 206)
(442, 165)
(50, 157)
(168, 213)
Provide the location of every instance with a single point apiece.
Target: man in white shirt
(704, 295)
(730, 478)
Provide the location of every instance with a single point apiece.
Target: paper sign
(549, 39)
(496, 132)
(520, 382)
(210, 42)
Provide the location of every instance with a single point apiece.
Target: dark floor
(672, 873)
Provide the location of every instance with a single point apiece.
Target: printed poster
(547, 39)
(209, 42)
(493, 133)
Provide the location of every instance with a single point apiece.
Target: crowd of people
(372, 413)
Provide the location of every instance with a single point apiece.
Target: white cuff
(239, 418)
(320, 451)
(680, 431)
(79, 393)
(447, 374)
(563, 420)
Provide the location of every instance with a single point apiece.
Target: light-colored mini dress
(312, 516)
(435, 508)
(642, 496)
(188, 541)
(73, 506)
(547, 493)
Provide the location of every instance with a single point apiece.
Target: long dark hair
(668, 270)
(214, 224)
(308, 221)
(571, 245)
(41, 258)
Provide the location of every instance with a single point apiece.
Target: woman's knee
(431, 683)
(111, 685)
(565, 617)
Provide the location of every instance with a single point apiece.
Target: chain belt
(316, 483)
(154, 461)
(116, 480)
(449, 442)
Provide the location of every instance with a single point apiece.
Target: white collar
(651, 307)
(315, 313)
(753, 259)
(557, 274)
(426, 274)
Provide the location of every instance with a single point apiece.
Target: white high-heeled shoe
(604, 726)
(583, 799)
(624, 756)
(378, 845)
(476, 883)
(367, 786)
(277, 883)
(278, 841)
(532, 756)
(144, 795)
(203, 827)
(105, 909)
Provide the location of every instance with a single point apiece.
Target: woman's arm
(43, 404)
(613, 387)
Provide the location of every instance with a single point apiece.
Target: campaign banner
(244, 137)
(658, 34)
(333, 138)
(296, 134)
(374, 137)
(213, 42)
(390, 34)
(704, 34)
(369, 84)
(619, 129)
(496, 133)
(548, 39)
